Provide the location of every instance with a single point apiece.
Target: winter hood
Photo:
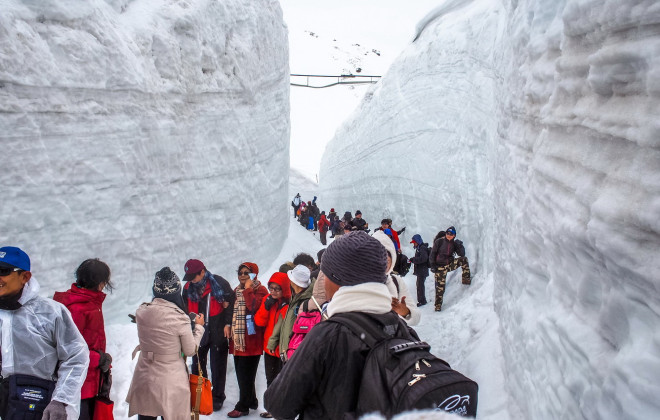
(282, 280)
(79, 295)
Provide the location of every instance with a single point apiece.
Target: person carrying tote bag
(160, 381)
(201, 396)
(103, 405)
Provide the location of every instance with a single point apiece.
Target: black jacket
(443, 252)
(421, 260)
(359, 223)
(322, 379)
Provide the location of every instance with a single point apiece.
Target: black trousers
(246, 373)
(273, 366)
(324, 241)
(87, 408)
(421, 291)
(218, 355)
(141, 417)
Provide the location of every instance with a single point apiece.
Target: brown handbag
(201, 398)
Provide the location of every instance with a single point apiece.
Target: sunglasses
(5, 271)
(243, 273)
(274, 289)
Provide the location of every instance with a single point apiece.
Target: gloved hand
(104, 361)
(270, 301)
(282, 304)
(55, 410)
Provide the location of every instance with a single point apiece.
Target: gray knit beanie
(357, 258)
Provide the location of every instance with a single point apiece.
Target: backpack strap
(396, 283)
(368, 329)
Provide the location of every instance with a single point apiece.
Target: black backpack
(401, 375)
(402, 265)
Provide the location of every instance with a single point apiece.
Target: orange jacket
(268, 317)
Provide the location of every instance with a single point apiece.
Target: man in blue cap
(442, 261)
(36, 329)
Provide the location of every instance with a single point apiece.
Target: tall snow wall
(533, 128)
(143, 133)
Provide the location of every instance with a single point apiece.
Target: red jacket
(268, 318)
(85, 308)
(323, 224)
(253, 343)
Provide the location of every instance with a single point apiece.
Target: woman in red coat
(324, 224)
(84, 301)
(246, 338)
(271, 311)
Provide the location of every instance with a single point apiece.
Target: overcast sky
(333, 37)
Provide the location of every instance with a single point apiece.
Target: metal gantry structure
(324, 81)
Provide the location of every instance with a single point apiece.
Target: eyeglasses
(243, 273)
(5, 271)
(274, 289)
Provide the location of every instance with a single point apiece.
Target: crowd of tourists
(203, 318)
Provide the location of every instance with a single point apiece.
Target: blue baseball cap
(451, 230)
(10, 256)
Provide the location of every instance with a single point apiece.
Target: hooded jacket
(421, 258)
(43, 330)
(85, 307)
(268, 318)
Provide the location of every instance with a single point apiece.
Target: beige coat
(160, 381)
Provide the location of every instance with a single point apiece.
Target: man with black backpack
(339, 370)
(443, 261)
(323, 379)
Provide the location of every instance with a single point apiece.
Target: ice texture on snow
(143, 133)
(533, 128)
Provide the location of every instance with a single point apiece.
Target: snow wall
(143, 133)
(532, 126)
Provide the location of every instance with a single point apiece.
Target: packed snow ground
(532, 126)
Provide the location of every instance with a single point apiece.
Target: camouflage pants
(441, 278)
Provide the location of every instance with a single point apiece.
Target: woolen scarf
(238, 324)
(196, 290)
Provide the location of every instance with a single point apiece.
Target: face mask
(252, 276)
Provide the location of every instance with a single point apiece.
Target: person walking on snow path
(324, 224)
(84, 300)
(295, 203)
(270, 316)
(443, 261)
(247, 338)
(43, 345)
(421, 261)
(323, 379)
(402, 303)
(211, 295)
(160, 384)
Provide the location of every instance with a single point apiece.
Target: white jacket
(411, 302)
(33, 336)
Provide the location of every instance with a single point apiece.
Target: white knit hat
(300, 276)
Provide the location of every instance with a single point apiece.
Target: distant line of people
(439, 257)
